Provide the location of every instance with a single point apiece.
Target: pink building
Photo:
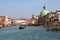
(4, 20)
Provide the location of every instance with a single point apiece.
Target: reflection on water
(29, 33)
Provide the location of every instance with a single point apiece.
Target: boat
(22, 25)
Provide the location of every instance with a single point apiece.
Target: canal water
(29, 33)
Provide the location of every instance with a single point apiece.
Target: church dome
(44, 11)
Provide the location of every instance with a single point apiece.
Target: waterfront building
(58, 12)
(34, 17)
(21, 21)
(17, 21)
(4, 21)
(55, 14)
(40, 20)
(50, 14)
(53, 20)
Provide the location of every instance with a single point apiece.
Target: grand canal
(29, 33)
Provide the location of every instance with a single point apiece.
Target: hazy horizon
(25, 8)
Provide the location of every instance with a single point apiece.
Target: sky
(25, 8)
